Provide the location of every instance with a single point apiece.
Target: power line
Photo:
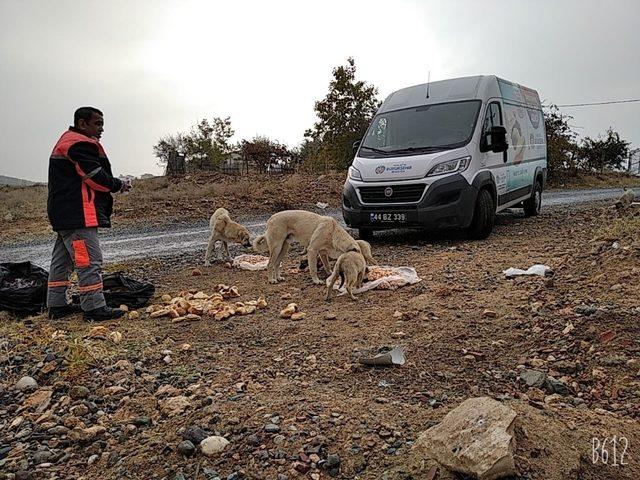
(599, 103)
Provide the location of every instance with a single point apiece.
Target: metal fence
(244, 168)
(634, 162)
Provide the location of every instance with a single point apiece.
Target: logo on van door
(380, 169)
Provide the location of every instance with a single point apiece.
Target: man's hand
(126, 185)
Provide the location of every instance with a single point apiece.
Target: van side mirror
(495, 140)
(356, 145)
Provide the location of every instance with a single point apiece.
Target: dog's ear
(245, 238)
(221, 223)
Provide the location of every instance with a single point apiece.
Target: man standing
(79, 201)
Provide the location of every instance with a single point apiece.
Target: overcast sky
(157, 67)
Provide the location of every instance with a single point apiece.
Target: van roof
(455, 89)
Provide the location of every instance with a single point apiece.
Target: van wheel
(533, 205)
(483, 216)
(365, 233)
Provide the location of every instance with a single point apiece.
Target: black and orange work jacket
(80, 183)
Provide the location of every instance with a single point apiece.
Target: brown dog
(225, 230)
(351, 267)
(365, 248)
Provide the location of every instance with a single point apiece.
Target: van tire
(533, 204)
(483, 216)
(365, 233)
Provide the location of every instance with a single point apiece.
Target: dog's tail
(259, 244)
(337, 271)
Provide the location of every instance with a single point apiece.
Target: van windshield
(415, 130)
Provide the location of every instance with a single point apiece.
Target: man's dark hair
(84, 113)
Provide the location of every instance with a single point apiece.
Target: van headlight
(354, 173)
(450, 166)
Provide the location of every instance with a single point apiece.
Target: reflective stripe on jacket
(80, 183)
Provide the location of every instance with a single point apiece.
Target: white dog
(225, 230)
(320, 235)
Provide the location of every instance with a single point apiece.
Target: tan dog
(365, 249)
(626, 199)
(317, 233)
(225, 230)
(351, 267)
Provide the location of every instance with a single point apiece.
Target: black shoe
(60, 312)
(103, 313)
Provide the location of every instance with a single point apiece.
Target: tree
(205, 147)
(307, 151)
(207, 144)
(170, 151)
(561, 145)
(264, 153)
(343, 117)
(604, 153)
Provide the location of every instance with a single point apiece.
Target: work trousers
(77, 250)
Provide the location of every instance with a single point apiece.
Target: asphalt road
(119, 246)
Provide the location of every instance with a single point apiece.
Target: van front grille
(392, 193)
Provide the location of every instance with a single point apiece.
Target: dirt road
(120, 246)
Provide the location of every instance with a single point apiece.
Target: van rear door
(524, 122)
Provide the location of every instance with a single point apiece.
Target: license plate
(387, 217)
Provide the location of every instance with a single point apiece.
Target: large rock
(476, 439)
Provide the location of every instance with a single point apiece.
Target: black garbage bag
(23, 287)
(119, 290)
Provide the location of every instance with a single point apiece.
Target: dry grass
(23, 203)
(77, 358)
(621, 228)
(596, 180)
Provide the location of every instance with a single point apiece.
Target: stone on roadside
(533, 378)
(186, 448)
(558, 387)
(212, 445)
(332, 465)
(86, 435)
(26, 383)
(271, 428)
(195, 434)
(475, 438)
(174, 406)
(79, 392)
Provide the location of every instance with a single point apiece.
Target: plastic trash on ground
(23, 287)
(385, 278)
(540, 270)
(394, 356)
(250, 262)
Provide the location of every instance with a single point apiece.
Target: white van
(448, 154)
